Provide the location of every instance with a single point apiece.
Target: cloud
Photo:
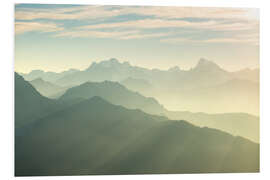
(224, 25)
(22, 27)
(124, 35)
(148, 23)
(71, 13)
(91, 12)
(252, 39)
(161, 23)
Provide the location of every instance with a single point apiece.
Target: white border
(7, 66)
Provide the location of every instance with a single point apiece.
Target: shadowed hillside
(29, 103)
(47, 89)
(96, 137)
(241, 124)
(116, 94)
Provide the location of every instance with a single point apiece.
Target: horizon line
(140, 66)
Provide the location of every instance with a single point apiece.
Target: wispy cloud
(161, 23)
(22, 27)
(90, 12)
(252, 39)
(123, 35)
(98, 23)
(77, 13)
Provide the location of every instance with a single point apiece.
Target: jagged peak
(114, 60)
(206, 64)
(108, 63)
(106, 82)
(39, 79)
(174, 69)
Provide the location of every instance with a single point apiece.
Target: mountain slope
(96, 137)
(29, 103)
(248, 74)
(111, 70)
(116, 94)
(234, 123)
(47, 76)
(234, 95)
(175, 88)
(139, 85)
(240, 124)
(46, 88)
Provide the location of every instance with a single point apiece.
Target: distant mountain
(47, 76)
(46, 88)
(240, 124)
(234, 123)
(139, 85)
(115, 93)
(174, 83)
(248, 74)
(111, 70)
(114, 70)
(231, 96)
(96, 137)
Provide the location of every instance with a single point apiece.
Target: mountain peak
(205, 64)
(38, 80)
(174, 69)
(113, 60)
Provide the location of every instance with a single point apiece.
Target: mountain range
(47, 88)
(47, 76)
(94, 136)
(185, 90)
(241, 124)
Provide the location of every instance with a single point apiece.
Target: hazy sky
(59, 37)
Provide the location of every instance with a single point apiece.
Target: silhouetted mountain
(96, 137)
(207, 66)
(47, 76)
(111, 70)
(46, 88)
(173, 83)
(29, 104)
(232, 96)
(240, 124)
(248, 74)
(116, 94)
(139, 85)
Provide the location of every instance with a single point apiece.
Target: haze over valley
(111, 90)
(205, 88)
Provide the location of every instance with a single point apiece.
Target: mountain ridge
(124, 141)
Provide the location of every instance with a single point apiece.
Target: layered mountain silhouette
(112, 120)
(175, 88)
(248, 74)
(240, 124)
(47, 88)
(139, 85)
(47, 76)
(116, 94)
(82, 135)
(234, 95)
(96, 137)
(29, 103)
(235, 123)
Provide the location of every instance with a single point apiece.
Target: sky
(60, 37)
